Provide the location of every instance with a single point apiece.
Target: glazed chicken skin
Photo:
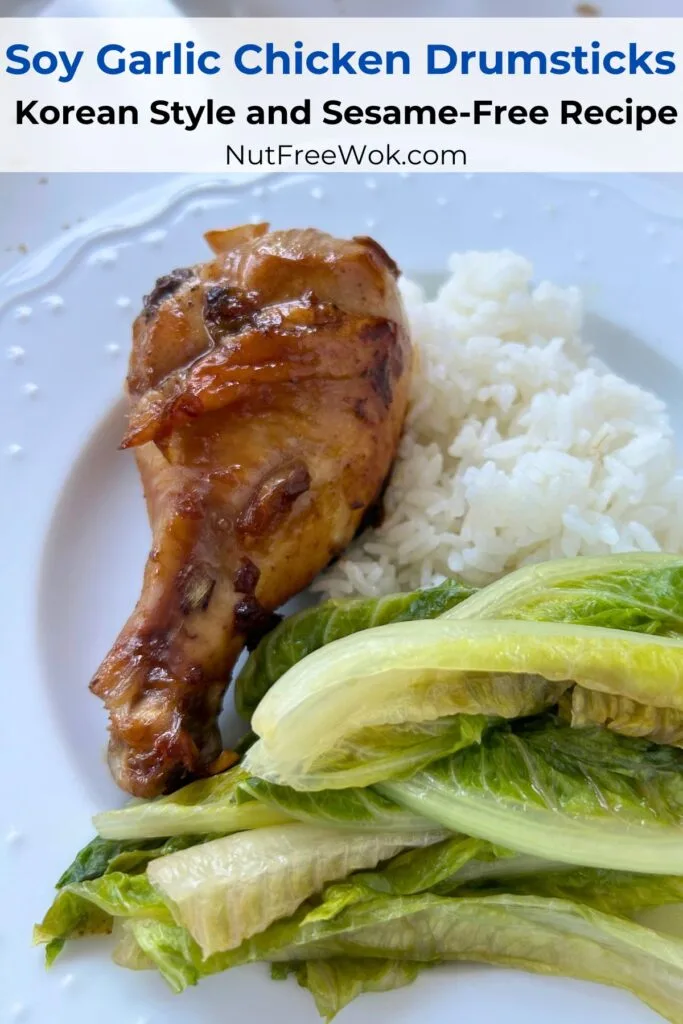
(268, 389)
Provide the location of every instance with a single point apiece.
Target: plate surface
(333, 8)
(74, 532)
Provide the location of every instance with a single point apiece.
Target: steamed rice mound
(519, 445)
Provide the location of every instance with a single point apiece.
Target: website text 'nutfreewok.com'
(352, 155)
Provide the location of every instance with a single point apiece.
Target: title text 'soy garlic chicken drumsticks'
(268, 389)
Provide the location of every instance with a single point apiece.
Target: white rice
(519, 445)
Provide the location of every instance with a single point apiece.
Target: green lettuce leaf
(233, 888)
(625, 893)
(81, 910)
(172, 950)
(496, 869)
(548, 936)
(587, 796)
(463, 866)
(88, 908)
(666, 919)
(379, 753)
(583, 707)
(127, 953)
(101, 856)
(637, 592)
(358, 701)
(206, 806)
(337, 982)
(339, 808)
(408, 873)
(312, 628)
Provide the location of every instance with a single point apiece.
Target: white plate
(335, 8)
(74, 533)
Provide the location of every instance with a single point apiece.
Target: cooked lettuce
(112, 868)
(355, 809)
(127, 953)
(459, 866)
(233, 888)
(210, 805)
(583, 707)
(312, 628)
(378, 752)
(414, 871)
(625, 893)
(233, 799)
(336, 982)
(549, 936)
(376, 929)
(498, 866)
(666, 919)
(234, 884)
(131, 856)
(588, 796)
(105, 881)
(112, 873)
(502, 784)
(346, 714)
(638, 592)
(88, 908)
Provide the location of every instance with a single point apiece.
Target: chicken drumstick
(268, 389)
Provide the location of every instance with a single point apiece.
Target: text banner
(341, 94)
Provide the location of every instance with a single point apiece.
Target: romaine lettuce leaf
(586, 796)
(548, 936)
(337, 982)
(355, 809)
(312, 628)
(127, 953)
(233, 888)
(497, 867)
(543, 935)
(101, 856)
(625, 893)
(583, 707)
(88, 908)
(462, 866)
(638, 592)
(206, 806)
(327, 721)
(408, 873)
(113, 869)
(666, 919)
(172, 950)
(378, 752)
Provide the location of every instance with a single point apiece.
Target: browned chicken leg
(268, 388)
